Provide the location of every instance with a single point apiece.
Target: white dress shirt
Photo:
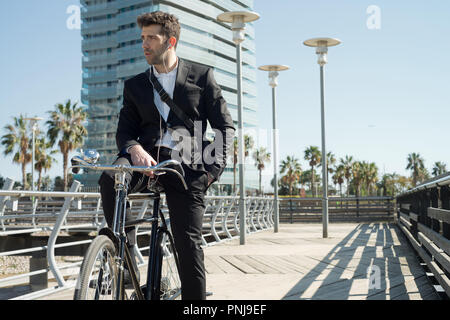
(167, 81)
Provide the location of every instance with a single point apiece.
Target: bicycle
(102, 270)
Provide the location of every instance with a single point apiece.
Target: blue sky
(386, 89)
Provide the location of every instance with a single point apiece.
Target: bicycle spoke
(170, 286)
(99, 274)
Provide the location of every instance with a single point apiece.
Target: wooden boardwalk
(357, 261)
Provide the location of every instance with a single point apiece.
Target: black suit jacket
(196, 93)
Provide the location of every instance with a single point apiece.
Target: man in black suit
(146, 135)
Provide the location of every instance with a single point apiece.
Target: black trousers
(186, 209)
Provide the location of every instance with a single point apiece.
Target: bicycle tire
(100, 255)
(167, 283)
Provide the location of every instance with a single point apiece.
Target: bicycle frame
(118, 229)
(117, 232)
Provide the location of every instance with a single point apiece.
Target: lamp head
(238, 20)
(273, 72)
(273, 79)
(322, 45)
(322, 51)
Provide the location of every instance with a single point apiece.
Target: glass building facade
(112, 53)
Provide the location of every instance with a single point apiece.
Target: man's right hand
(140, 157)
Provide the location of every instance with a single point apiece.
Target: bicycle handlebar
(127, 168)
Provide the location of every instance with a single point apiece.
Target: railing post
(56, 228)
(357, 207)
(8, 185)
(214, 218)
(35, 201)
(291, 210)
(434, 193)
(38, 261)
(141, 214)
(445, 203)
(424, 204)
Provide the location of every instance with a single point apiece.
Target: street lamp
(321, 45)
(273, 77)
(34, 127)
(238, 20)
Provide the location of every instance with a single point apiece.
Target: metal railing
(28, 213)
(424, 217)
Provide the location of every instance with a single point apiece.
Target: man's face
(153, 43)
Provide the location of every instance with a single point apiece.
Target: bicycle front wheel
(168, 283)
(98, 273)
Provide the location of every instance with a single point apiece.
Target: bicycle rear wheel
(98, 273)
(168, 283)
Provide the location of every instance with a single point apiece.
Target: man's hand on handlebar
(140, 157)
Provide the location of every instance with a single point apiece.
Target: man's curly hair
(170, 27)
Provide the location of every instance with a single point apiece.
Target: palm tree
(248, 145)
(17, 139)
(415, 163)
(388, 184)
(331, 161)
(439, 168)
(369, 175)
(314, 156)
(423, 175)
(338, 177)
(66, 126)
(44, 159)
(358, 176)
(347, 164)
(261, 156)
(293, 170)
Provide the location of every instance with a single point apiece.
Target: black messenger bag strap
(166, 99)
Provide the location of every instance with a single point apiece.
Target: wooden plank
(413, 216)
(440, 276)
(281, 264)
(292, 262)
(404, 216)
(438, 254)
(434, 268)
(406, 223)
(211, 266)
(239, 264)
(256, 263)
(439, 214)
(224, 265)
(442, 242)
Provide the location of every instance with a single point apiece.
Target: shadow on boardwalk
(373, 261)
(358, 261)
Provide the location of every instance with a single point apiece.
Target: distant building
(112, 53)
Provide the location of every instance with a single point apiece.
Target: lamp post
(34, 127)
(321, 45)
(273, 77)
(238, 20)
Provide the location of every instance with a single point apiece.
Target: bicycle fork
(152, 257)
(119, 229)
